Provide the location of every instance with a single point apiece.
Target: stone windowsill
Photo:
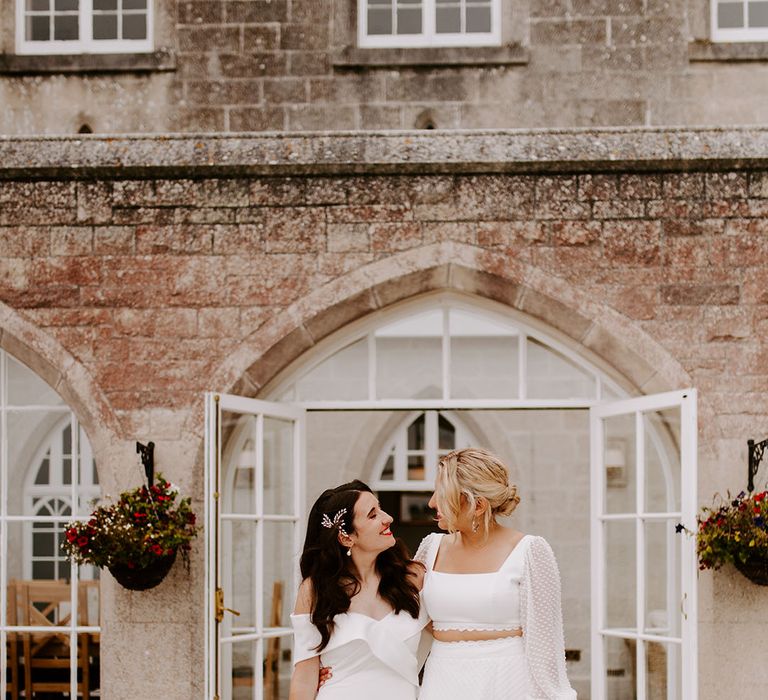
(157, 61)
(703, 50)
(355, 58)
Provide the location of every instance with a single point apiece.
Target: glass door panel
(254, 512)
(643, 571)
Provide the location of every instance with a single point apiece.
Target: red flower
(157, 549)
(82, 541)
(140, 516)
(71, 535)
(760, 497)
(756, 509)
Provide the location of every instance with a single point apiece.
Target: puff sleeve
(542, 622)
(423, 552)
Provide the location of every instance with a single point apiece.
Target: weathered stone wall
(293, 65)
(134, 295)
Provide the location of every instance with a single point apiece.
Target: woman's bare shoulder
(305, 598)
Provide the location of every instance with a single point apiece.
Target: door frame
(685, 400)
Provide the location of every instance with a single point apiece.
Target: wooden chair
(12, 646)
(46, 655)
(272, 658)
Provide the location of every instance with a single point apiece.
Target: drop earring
(349, 551)
(474, 524)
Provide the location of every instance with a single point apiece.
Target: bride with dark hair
(357, 608)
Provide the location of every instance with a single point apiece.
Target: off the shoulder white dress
(371, 659)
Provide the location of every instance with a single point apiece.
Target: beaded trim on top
(337, 521)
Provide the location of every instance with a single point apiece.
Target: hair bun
(508, 505)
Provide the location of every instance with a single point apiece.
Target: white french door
(254, 459)
(643, 484)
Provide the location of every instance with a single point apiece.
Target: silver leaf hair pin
(337, 521)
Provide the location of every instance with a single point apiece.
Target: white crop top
(523, 594)
(489, 601)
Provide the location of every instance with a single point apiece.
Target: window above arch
(412, 452)
(447, 351)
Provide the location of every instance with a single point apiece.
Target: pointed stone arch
(615, 342)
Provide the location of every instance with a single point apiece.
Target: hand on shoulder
(416, 571)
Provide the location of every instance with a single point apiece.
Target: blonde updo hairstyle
(474, 473)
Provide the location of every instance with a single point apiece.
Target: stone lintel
(544, 151)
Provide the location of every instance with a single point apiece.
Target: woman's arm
(306, 673)
(542, 620)
(305, 679)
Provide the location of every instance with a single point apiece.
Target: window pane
(416, 467)
(105, 26)
(43, 570)
(448, 20)
(101, 5)
(39, 5)
(278, 466)
(478, 19)
(134, 4)
(134, 26)
(551, 375)
(38, 28)
(408, 358)
(416, 434)
(620, 567)
(446, 434)
(65, 28)
(662, 460)
(662, 579)
(388, 473)
(43, 473)
(619, 457)
(344, 375)
(730, 15)
(66, 5)
(25, 388)
(483, 357)
(379, 21)
(409, 21)
(758, 14)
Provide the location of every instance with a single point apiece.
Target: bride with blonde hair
(492, 592)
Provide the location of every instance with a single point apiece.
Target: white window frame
(397, 447)
(284, 386)
(219, 634)
(429, 37)
(86, 44)
(740, 34)
(687, 605)
(72, 629)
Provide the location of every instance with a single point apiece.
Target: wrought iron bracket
(147, 453)
(756, 450)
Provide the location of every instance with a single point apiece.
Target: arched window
(409, 459)
(48, 494)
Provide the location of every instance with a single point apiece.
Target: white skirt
(487, 670)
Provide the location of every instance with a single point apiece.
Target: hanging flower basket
(138, 537)
(142, 579)
(755, 569)
(735, 531)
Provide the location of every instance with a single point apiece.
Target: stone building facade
(296, 65)
(139, 273)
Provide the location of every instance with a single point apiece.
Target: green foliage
(142, 526)
(732, 530)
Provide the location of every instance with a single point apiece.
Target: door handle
(220, 609)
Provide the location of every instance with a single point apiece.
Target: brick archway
(53, 363)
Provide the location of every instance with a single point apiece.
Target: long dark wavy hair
(325, 563)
